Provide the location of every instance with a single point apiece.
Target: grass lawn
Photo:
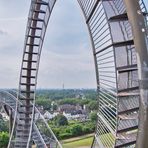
(78, 142)
(86, 141)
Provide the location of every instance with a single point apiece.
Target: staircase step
(41, 3)
(128, 89)
(31, 52)
(129, 68)
(128, 129)
(28, 84)
(127, 94)
(28, 44)
(123, 43)
(121, 17)
(26, 106)
(36, 28)
(129, 140)
(39, 11)
(23, 130)
(32, 77)
(117, 44)
(29, 61)
(128, 116)
(22, 141)
(34, 36)
(27, 99)
(26, 119)
(24, 125)
(23, 136)
(26, 113)
(128, 111)
(20, 146)
(29, 69)
(37, 19)
(125, 143)
(127, 125)
(24, 91)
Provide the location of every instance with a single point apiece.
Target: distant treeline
(57, 94)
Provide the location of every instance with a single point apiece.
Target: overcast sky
(66, 57)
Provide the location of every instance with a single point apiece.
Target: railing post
(138, 24)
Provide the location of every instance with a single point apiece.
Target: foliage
(73, 129)
(76, 130)
(75, 101)
(93, 105)
(66, 96)
(56, 94)
(93, 116)
(4, 125)
(4, 139)
(55, 107)
(46, 103)
(71, 101)
(60, 120)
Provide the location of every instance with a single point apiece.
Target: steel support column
(141, 44)
(10, 120)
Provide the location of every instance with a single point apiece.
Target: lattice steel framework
(116, 69)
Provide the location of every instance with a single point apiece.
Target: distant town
(69, 112)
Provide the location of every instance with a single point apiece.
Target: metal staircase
(42, 135)
(39, 14)
(116, 70)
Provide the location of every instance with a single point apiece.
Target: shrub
(76, 130)
(4, 139)
(60, 120)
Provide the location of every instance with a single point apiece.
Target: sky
(67, 55)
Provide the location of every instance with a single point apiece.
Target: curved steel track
(42, 135)
(115, 60)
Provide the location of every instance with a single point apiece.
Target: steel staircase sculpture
(116, 65)
(37, 22)
(42, 137)
(117, 77)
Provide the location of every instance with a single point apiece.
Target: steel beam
(10, 120)
(138, 24)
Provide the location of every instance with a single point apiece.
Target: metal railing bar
(104, 37)
(108, 119)
(105, 62)
(102, 59)
(103, 44)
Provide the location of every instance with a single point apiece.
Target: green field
(86, 141)
(79, 142)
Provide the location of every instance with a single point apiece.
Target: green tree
(4, 139)
(76, 130)
(55, 107)
(60, 120)
(4, 125)
(71, 101)
(46, 103)
(93, 105)
(93, 116)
